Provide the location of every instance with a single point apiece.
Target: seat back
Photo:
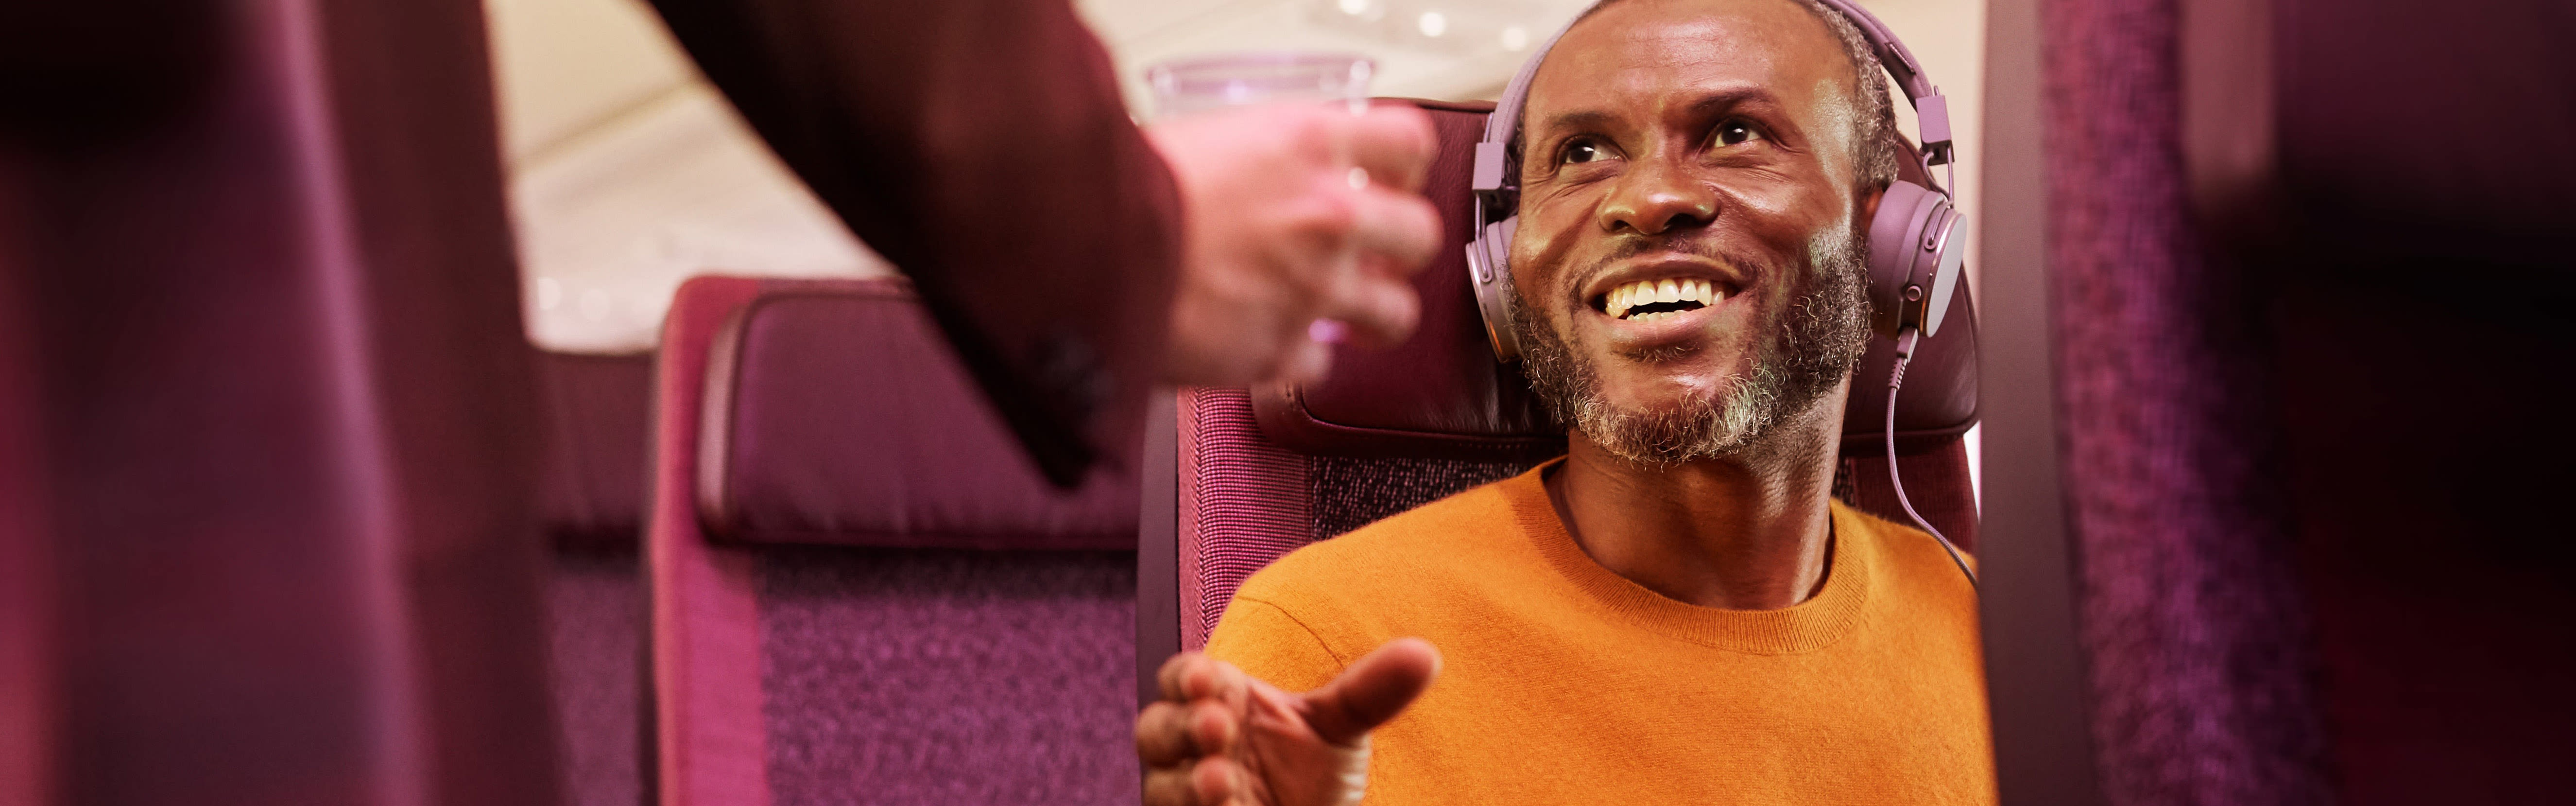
(1263, 471)
(596, 413)
(860, 584)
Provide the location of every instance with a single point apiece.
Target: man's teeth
(1645, 292)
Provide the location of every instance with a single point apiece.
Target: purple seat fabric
(1262, 472)
(863, 592)
(595, 624)
(2187, 604)
(937, 676)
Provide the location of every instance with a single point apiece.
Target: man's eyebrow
(1578, 119)
(1711, 102)
(1732, 98)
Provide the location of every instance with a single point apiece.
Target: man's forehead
(1640, 48)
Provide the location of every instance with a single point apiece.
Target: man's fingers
(1216, 780)
(1373, 690)
(1209, 782)
(1395, 144)
(1169, 733)
(1170, 787)
(1162, 734)
(1168, 678)
(1190, 675)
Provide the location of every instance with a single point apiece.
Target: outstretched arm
(982, 147)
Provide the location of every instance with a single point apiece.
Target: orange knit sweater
(1563, 683)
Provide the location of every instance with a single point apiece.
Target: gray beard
(1815, 343)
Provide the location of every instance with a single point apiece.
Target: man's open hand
(1280, 234)
(1220, 737)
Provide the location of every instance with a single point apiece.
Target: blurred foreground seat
(267, 464)
(862, 591)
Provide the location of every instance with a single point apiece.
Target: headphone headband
(1931, 110)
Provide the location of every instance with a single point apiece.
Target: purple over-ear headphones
(1915, 239)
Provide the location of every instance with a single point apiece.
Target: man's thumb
(1373, 690)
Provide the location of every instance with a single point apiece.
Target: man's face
(1686, 261)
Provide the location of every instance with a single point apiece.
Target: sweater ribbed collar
(1804, 627)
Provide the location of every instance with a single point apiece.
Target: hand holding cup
(1304, 216)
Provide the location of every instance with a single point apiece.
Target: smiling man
(1677, 611)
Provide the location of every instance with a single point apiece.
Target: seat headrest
(1441, 394)
(836, 413)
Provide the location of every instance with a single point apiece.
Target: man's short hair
(1876, 139)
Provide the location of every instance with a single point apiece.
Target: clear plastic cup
(1187, 86)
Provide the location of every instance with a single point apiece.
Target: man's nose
(1656, 196)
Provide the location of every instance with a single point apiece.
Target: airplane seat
(1262, 471)
(596, 412)
(860, 587)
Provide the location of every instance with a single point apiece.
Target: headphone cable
(1905, 354)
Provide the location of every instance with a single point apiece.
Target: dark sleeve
(982, 147)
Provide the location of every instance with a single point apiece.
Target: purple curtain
(2201, 660)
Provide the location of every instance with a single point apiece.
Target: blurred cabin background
(629, 173)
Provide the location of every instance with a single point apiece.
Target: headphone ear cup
(1489, 274)
(1911, 266)
(1952, 234)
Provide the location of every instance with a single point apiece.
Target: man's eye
(1736, 134)
(1581, 151)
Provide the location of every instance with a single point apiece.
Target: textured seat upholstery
(862, 590)
(1260, 472)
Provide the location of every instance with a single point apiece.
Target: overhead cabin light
(1515, 38)
(1354, 7)
(1432, 24)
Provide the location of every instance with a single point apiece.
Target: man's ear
(1869, 205)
